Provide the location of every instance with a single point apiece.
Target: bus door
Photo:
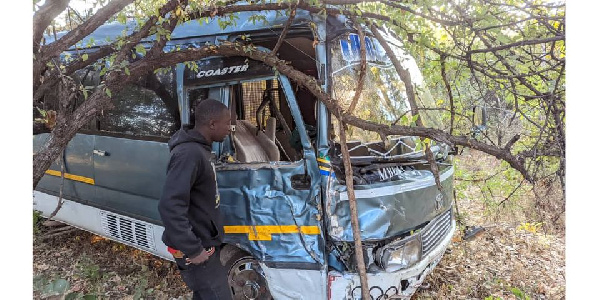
(77, 163)
(131, 152)
(268, 176)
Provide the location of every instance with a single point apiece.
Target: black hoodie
(189, 205)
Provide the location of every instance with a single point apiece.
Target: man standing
(189, 206)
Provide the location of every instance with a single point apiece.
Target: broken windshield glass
(383, 99)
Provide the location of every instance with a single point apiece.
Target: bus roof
(196, 31)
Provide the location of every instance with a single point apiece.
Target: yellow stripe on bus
(264, 232)
(324, 168)
(72, 177)
(323, 160)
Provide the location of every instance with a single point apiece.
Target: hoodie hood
(187, 134)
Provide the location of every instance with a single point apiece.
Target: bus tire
(244, 274)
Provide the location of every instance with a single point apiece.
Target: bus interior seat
(253, 147)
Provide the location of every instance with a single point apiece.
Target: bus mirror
(479, 120)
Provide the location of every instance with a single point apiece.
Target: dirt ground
(510, 258)
(501, 261)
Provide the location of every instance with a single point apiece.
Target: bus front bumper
(396, 285)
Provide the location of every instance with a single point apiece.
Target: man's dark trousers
(208, 280)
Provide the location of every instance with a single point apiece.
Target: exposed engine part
(372, 163)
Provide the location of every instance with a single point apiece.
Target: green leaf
(39, 281)
(72, 296)
(127, 71)
(42, 112)
(60, 286)
(414, 119)
(84, 57)
(108, 92)
(121, 18)
(139, 48)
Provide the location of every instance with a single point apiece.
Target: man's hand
(200, 258)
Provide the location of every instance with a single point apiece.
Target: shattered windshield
(383, 99)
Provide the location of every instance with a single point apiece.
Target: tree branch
(410, 93)
(43, 17)
(84, 29)
(448, 90)
(285, 30)
(354, 221)
(518, 44)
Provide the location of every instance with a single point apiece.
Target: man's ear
(211, 123)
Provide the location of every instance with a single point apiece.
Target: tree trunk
(358, 250)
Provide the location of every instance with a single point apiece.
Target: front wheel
(245, 276)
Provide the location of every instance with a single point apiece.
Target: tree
(506, 57)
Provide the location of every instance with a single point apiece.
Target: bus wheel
(246, 278)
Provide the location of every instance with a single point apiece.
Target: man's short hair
(208, 109)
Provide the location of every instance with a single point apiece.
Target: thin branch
(87, 27)
(43, 17)
(285, 30)
(430, 18)
(135, 38)
(395, 4)
(519, 44)
(512, 193)
(160, 43)
(410, 93)
(62, 183)
(355, 223)
(449, 91)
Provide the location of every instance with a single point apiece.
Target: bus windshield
(383, 98)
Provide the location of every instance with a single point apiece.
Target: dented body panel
(389, 209)
(263, 197)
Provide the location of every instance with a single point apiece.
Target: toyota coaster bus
(280, 173)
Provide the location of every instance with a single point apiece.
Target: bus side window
(138, 112)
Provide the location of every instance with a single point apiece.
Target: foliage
(37, 218)
(521, 87)
(520, 295)
(530, 227)
(89, 270)
(50, 287)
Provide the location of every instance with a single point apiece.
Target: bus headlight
(399, 254)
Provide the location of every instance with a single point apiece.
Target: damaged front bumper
(401, 284)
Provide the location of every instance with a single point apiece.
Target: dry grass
(508, 257)
(97, 266)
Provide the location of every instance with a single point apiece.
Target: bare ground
(507, 260)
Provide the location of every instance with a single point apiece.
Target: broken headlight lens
(399, 254)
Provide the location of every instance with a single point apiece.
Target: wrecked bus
(280, 174)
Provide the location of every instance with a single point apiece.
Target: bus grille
(435, 231)
(128, 231)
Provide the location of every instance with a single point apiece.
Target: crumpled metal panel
(388, 209)
(262, 194)
(294, 284)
